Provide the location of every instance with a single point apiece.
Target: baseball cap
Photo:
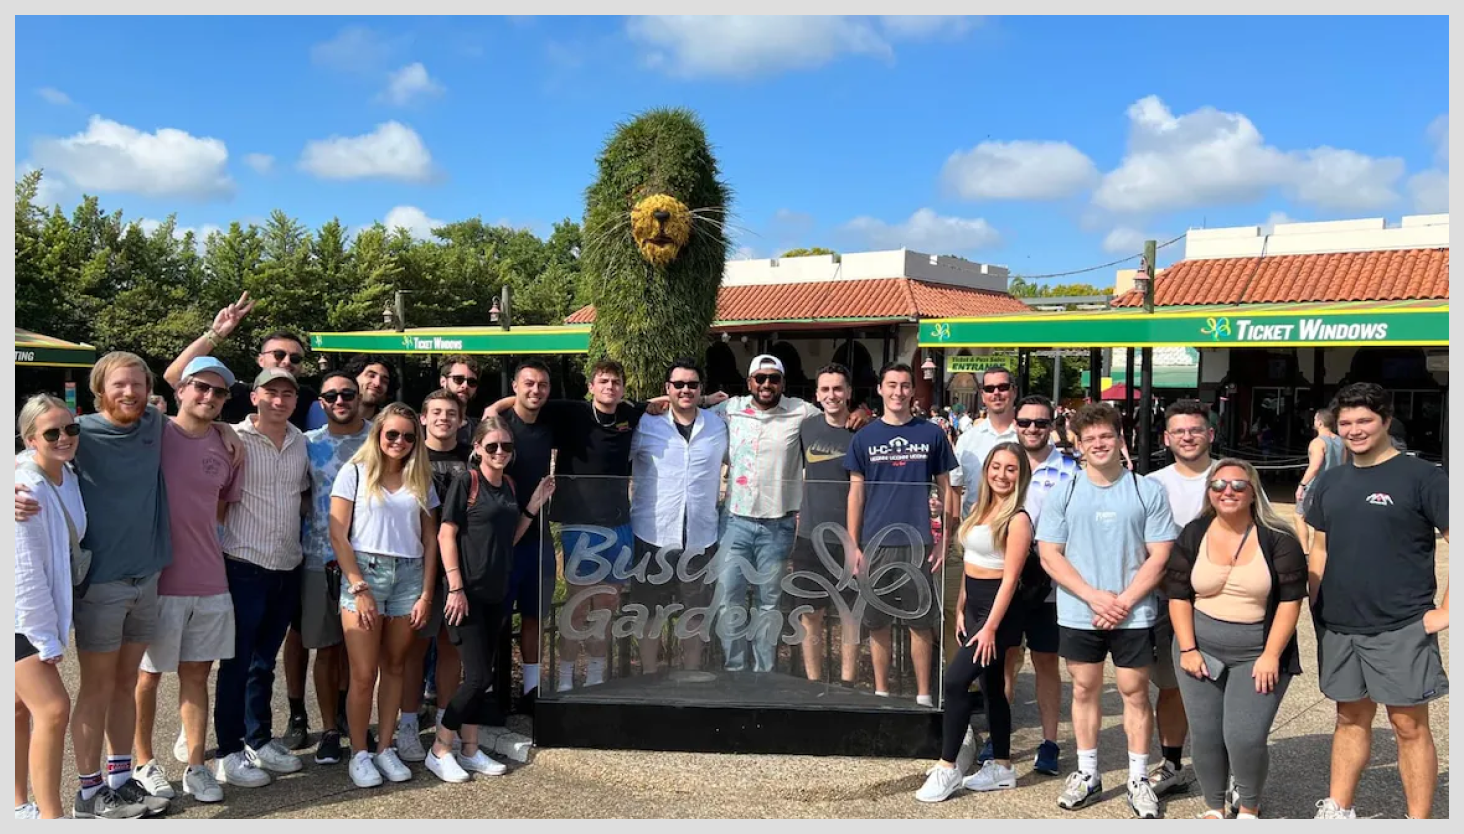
(764, 360)
(209, 365)
(269, 375)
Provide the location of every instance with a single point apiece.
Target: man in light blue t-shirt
(1104, 541)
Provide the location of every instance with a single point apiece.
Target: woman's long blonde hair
(1006, 508)
(416, 470)
(1262, 512)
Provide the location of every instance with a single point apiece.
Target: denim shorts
(618, 550)
(396, 584)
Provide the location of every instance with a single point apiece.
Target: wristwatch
(360, 588)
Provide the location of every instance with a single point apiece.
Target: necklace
(601, 422)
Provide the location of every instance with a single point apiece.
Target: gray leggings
(1229, 721)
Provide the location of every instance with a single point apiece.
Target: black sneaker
(371, 742)
(329, 750)
(297, 735)
(105, 804)
(133, 793)
(525, 705)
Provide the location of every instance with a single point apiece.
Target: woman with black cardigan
(1236, 580)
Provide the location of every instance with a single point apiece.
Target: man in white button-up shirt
(677, 462)
(998, 393)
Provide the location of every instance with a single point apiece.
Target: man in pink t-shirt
(195, 611)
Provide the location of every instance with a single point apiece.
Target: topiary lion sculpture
(654, 246)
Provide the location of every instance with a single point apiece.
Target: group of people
(1192, 584)
(383, 536)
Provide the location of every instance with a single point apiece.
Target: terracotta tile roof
(874, 298)
(1396, 275)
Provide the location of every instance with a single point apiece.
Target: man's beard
(113, 412)
(338, 420)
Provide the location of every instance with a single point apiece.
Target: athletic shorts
(113, 613)
(1131, 648)
(903, 590)
(191, 630)
(651, 593)
(806, 559)
(531, 583)
(592, 540)
(320, 609)
(24, 648)
(1401, 668)
(1162, 672)
(1039, 625)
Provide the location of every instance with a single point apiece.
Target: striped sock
(90, 784)
(119, 770)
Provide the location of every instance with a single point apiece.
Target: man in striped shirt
(262, 555)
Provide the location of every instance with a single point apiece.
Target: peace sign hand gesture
(229, 317)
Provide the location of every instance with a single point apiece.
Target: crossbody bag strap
(70, 525)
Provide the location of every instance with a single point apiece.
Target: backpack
(473, 486)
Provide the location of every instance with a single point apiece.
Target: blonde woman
(996, 537)
(43, 589)
(1236, 579)
(385, 539)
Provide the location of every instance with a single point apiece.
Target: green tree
(801, 253)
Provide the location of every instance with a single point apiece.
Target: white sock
(531, 677)
(1088, 762)
(595, 673)
(925, 700)
(408, 723)
(566, 675)
(119, 770)
(440, 712)
(882, 694)
(363, 756)
(1138, 766)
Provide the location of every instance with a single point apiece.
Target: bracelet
(1187, 651)
(526, 514)
(212, 336)
(454, 591)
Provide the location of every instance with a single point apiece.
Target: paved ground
(580, 783)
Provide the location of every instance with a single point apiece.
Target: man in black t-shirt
(825, 439)
(1373, 584)
(460, 375)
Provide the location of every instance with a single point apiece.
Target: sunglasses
(204, 389)
(280, 356)
(392, 436)
(459, 379)
(1000, 386)
(764, 379)
(1026, 422)
(53, 435)
(679, 384)
(345, 394)
(506, 447)
(1236, 485)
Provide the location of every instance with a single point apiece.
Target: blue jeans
(752, 551)
(264, 604)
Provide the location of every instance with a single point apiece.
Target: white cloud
(355, 49)
(54, 96)
(200, 233)
(262, 163)
(1020, 170)
(109, 156)
(1210, 157)
(743, 253)
(391, 151)
(926, 231)
(743, 46)
(414, 220)
(928, 25)
(1125, 241)
(410, 83)
(1430, 190)
(51, 189)
(1438, 134)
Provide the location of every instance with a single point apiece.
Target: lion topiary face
(654, 246)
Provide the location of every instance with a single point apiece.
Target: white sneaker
(1168, 779)
(28, 811)
(1142, 799)
(239, 769)
(154, 780)
(481, 762)
(201, 785)
(992, 777)
(180, 748)
(938, 787)
(1327, 809)
(967, 757)
(390, 765)
(409, 742)
(363, 771)
(274, 758)
(446, 768)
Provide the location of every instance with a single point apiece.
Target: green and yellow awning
(552, 340)
(1324, 324)
(38, 351)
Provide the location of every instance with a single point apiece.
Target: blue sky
(1045, 144)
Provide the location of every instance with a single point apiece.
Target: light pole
(395, 314)
(1145, 280)
(501, 314)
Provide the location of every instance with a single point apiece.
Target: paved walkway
(586, 783)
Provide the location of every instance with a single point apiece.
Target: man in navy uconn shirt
(893, 462)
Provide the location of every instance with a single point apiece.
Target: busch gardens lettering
(1310, 330)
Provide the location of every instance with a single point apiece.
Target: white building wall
(1425, 231)
(856, 266)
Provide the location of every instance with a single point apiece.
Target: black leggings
(964, 670)
(477, 641)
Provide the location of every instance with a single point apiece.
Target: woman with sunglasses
(1236, 580)
(482, 519)
(996, 537)
(385, 539)
(43, 589)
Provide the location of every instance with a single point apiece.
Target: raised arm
(224, 324)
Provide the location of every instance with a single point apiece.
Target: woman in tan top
(1236, 580)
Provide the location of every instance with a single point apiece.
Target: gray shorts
(908, 589)
(1162, 672)
(1401, 668)
(113, 613)
(191, 630)
(320, 611)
